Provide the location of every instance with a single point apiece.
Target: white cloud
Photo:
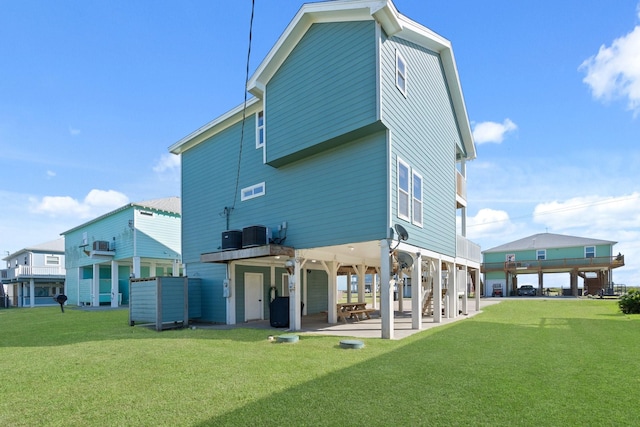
(74, 132)
(492, 132)
(51, 174)
(614, 72)
(97, 202)
(488, 222)
(167, 162)
(596, 215)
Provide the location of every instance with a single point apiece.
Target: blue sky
(93, 93)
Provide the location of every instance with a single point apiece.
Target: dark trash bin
(279, 312)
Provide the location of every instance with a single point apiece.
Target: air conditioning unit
(231, 239)
(101, 245)
(256, 235)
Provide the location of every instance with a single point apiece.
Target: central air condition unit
(256, 235)
(101, 245)
(231, 239)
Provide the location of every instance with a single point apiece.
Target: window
(260, 129)
(590, 252)
(417, 199)
(401, 73)
(541, 254)
(52, 260)
(253, 191)
(510, 258)
(403, 190)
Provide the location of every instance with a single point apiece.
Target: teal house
(350, 159)
(591, 260)
(137, 240)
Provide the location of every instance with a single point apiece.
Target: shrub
(630, 303)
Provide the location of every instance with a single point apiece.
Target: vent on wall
(100, 245)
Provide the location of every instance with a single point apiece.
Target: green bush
(630, 303)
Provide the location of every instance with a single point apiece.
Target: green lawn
(527, 362)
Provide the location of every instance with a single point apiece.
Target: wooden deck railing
(560, 264)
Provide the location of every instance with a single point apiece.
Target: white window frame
(402, 192)
(415, 200)
(541, 254)
(257, 190)
(260, 129)
(401, 74)
(587, 251)
(49, 260)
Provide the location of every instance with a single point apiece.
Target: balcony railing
(552, 264)
(27, 271)
(467, 249)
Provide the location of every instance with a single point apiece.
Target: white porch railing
(467, 249)
(27, 271)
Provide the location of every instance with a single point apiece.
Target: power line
(563, 209)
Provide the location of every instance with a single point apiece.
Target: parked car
(526, 291)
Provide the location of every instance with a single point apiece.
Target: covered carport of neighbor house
(445, 281)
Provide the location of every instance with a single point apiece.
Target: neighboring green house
(357, 124)
(137, 240)
(35, 274)
(590, 259)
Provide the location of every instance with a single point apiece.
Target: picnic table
(353, 310)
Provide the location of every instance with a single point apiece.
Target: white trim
(260, 129)
(401, 73)
(544, 254)
(256, 190)
(414, 221)
(398, 189)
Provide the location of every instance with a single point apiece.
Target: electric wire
(244, 110)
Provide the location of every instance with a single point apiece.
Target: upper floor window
(403, 190)
(590, 252)
(253, 191)
(541, 254)
(417, 199)
(260, 129)
(52, 260)
(401, 73)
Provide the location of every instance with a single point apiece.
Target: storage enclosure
(163, 301)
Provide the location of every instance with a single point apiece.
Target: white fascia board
(217, 125)
(312, 13)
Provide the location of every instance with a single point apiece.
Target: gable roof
(393, 23)
(548, 241)
(168, 204)
(53, 246)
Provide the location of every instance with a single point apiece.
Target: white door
(253, 307)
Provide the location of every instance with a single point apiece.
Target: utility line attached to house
(244, 111)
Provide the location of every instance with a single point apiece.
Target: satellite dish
(404, 260)
(402, 233)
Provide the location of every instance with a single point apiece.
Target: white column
(452, 292)
(476, 292)
(153, 269)
(465, 295)
(416, 292)
(386, 289)
(230, 283)
(295, 321)
(32, 293)
(95, 286)
(136, 267)
(21, 294)
(361, 270)
(115, 289)
(349, 286)
(332, 292)
(374, 288)
(175, 270)
(437, 293)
